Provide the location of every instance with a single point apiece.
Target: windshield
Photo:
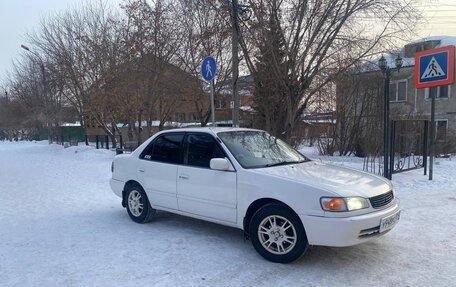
(254, 149)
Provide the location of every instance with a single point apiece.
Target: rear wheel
(138, 206)
(277, 233)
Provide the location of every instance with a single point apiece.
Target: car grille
(381, 200)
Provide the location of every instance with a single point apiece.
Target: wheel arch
(257, 204)
(124, 191)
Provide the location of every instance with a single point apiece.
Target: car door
(157, 169)
(203, 191)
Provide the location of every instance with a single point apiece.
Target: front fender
(301, 198)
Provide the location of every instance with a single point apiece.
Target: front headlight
(340, 204)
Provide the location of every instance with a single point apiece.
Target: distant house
(319, 125)
(223, 111)
(360, 97)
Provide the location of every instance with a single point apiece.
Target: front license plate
(388, 222)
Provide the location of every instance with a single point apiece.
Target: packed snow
(61, 225)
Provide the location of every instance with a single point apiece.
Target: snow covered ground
(60, 225)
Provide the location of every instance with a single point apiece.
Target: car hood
(340, 180)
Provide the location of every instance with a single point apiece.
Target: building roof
(444, 40)
(407, 54)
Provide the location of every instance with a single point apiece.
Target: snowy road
(60, 225)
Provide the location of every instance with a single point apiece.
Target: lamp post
(45, 87)
(44, 82)
(386, 70)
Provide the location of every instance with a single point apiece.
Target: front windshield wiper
(283, 163)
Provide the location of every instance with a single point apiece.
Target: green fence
(66, 133)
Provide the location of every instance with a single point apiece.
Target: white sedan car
(251, 180)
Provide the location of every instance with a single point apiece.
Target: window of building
(441, 92)
(194, 117)
(441, 129)
(180, 117)
(220, 104)
(393, 92)
(199, 149)
(166, 149)
(398, 91)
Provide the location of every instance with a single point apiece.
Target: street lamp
(26, 48)
(39, 57)
(45, 86)
(386, 70)
(44, 82)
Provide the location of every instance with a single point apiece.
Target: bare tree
(314, 39)
(118, 67)
(32, 83)
(18, 120)
(359, 113)
(206, 31)
(68, 40)
(150, 43)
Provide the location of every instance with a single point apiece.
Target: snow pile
(60, 225)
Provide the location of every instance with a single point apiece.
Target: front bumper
(117, 186)
(346, 231)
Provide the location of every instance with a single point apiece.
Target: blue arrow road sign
(208, 68)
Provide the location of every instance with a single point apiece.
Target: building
(360, 97)
(223, 110)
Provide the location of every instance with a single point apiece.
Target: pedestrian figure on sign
(208, 70)
(433, 69)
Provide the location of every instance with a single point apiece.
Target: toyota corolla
(250, 180)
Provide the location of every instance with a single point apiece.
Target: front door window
(199, 149)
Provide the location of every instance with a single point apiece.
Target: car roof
(213, 130)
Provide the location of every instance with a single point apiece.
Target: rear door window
(165, 148)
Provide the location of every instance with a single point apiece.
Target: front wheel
(277, 233)
(138, 206)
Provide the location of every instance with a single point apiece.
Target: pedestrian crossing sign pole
(434, 68)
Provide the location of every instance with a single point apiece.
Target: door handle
(183, 176)
(141, 170)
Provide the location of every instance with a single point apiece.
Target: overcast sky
(19, 16)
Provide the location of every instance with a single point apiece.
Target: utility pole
(235, 63)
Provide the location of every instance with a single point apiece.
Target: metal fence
(105, 142)
(409, 147)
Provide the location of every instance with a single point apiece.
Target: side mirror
(219, 164)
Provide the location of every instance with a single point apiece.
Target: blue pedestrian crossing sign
(434, 67)
(208, 68)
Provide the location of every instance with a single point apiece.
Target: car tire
(138, 206)
(277, 233)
